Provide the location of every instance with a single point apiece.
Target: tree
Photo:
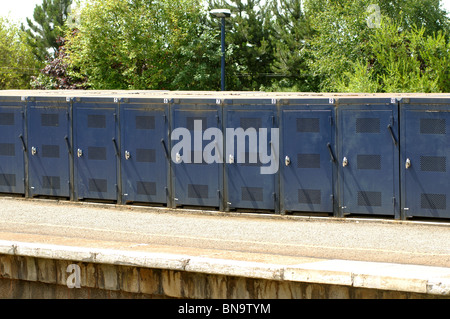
(249, 49)
(290, 34)
(342, 31)
(50, 18)
(143, 44)
(17, 62)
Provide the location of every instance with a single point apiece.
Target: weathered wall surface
(25, 277)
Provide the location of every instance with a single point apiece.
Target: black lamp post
(222, 14)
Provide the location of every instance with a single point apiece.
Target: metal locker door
(425, 154)
(247, 187)
(196, 182)
(49, 147)
(144, 153)
(96, 150)
(369, 161)
(12, 147)
(307, 161)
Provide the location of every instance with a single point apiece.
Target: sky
(19, 10)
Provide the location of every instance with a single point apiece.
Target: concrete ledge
(382, 276)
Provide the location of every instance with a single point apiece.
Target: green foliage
(144, 44)
(49, 20)
(250, 52)
(17, 62)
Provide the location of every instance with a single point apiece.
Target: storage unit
(49, 142)
(145, 157)
(368, 156)
(425, 150)
(96, 148)
(308, 162)
(197, 178)
(12, 145)
(251, 154)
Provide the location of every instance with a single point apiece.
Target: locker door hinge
(330, 119)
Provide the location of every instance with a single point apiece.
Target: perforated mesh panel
(433, 164)
(96, 121)
(97, 153)
(254, 194)
(50, 151)
(50, 120)
(369, 162)
(145, 155)
(7, 149)
(433, 201)
(308, 160)
(308, 125)
(433, 126)
(145, 122)
(98, 185)
(146, 188)
(247, 122)
(197, 191)
(8, 180)
(309, 196)
(51, 182)
(367, 125)
(6, 118)
(369, 199)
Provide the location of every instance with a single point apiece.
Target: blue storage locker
(49, 146)
(96, 149)
(12, 145)
(308, 162)
(145, 157)
(425, 151)
(368, 156)
(251, 177)
(196, 180)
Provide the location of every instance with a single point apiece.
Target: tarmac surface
(248, 237)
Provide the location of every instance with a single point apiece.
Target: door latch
(79, 153)
(178, 158)
(408, 163)
(287, 160)
(231, 159)
(345, 162)
(127, 155)
(33, 151)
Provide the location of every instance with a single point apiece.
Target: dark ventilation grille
(51, 182)
(7, 149)
(309, 196)
(368, 125)
(433, 126)
(145, 155)
(145, 122)
(190, 122)
(247, 122)
(50, 120)
(308, 125)
(433, 164)
(50, 151)
(369, 162)
(6, 118)
(369, 199)
(254, 194)
(146, 188)
(197, 191)
(98, 185)
(308, 161)
(433, 201)
(96, 121)
(97, 153)
(8, 180)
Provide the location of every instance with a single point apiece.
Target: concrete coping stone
(384, 276)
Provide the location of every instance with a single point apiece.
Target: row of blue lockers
(347, 155)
